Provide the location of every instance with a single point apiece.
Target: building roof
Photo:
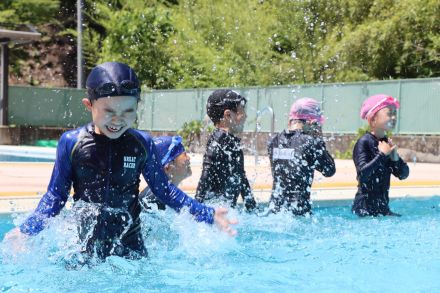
(18, 33)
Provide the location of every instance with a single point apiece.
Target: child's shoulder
(293, 136)
(140, 135)
(69, 139)
(276, 137)
(73, 134)
(219, 136)
(365, 140)
(367, 137)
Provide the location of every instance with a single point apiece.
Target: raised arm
(270, 147)
(324, 162)
(400, 169)
(58, 190)
(246, 193)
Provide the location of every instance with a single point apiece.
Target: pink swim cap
(306, 109)
(375, 103)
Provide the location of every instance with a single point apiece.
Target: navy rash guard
(223, 175)
(294, 156)
(374, 171)
(106, 172)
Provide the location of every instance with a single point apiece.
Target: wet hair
(221, 100)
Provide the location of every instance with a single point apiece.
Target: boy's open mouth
(112, 128)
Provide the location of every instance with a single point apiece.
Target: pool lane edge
(19, 202)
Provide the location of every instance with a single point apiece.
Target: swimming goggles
(125, 88)
(232, 100)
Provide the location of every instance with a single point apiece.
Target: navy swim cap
(168, 148)
(112, 79)
(221, 100)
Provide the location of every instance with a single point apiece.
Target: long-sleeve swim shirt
(223, 175)
(107, 172)
(374, 170)
(294, 156)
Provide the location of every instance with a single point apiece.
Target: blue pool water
(331, 251)
(26, 154)
(12, 158)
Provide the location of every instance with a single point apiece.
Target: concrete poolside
(22, 184)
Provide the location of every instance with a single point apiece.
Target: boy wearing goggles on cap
(295, 154)
(175, 162)
(104, 161)
(223, 176)
(376, 158)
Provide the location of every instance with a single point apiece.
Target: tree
(229, 43)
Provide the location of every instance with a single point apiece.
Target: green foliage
(395, 40)
(137, 36)
(28, 11)
(229, 43)
(348, 153)
(191, 132)
(213, 47)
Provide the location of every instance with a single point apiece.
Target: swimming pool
(331, 251)
(26, 154)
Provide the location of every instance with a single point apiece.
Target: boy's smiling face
(112, 116)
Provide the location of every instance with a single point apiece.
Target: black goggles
(231, 101)
(125, 88)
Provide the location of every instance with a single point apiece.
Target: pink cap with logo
(375, 103)
(306, 109)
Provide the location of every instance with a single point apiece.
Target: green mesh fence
(167, 110)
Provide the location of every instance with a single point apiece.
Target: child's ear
(227, 114)
(372, 121)
(86, 102)
(168, 168)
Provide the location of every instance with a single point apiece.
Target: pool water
(26, 154)
(12, 158)
(331, 251)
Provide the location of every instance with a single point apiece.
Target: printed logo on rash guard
(283, 154)
(129, 162)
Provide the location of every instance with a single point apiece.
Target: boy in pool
(104, 160)
(376, 158)
(223, 176)
(294, 156)
(175, 162)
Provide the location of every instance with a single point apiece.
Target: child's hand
(385, 148)
(17, 240)
(394, 153)
(315, 129)
(223, 222)
(250, 204)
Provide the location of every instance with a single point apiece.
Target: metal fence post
(399, 98)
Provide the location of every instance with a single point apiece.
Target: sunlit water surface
(331, 251)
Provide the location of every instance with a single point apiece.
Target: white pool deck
(22, 184)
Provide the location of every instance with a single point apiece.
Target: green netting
(168, 110)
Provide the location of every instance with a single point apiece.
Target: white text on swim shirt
(129, 162)
(283, 154)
